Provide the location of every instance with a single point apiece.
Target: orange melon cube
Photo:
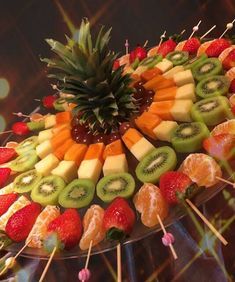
(61, 150)
(76, 153)
(59, 138)
(150, 74)
(162, 109)
(113, 149)
(63, 117)
(165, 83)
(131, 136)
(165, 94)
(151, 84)
(147, 122)
(95, 151)
(57, 128)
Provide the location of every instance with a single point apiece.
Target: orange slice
(224, 128)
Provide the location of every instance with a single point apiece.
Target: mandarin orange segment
(95, 151)
(150, 74)
(224, 128)
(131, 136)
(63, 117)
(149, 202)
(92, 227)
(202, 169)
(61, 150)
(162, 109)
(165, 94)
(59, 138)
(76, 153)
(113, 149)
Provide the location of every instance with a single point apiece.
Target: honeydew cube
(183, 77)
(173, 71)
(50, 121)
(141, 148)
(115, 164)
(90, 169)
(140, 69)
(164, 130)
(46, 165)
(44, 135)
(44, 149)
(186, 91)
(67, 170)
(165, 65)
(181, 110)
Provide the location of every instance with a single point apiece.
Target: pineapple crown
(84, 68)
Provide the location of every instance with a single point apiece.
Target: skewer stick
(84, 274)
(88, 254)
(21, 250)
(164, 231)
(19, 114)
(195, 28)
(127, 46)
(205, 34)
(161, 38)
(228, 26)
(119, 263)
(38, 100)
(145, 43)
(205, 220)
(3, 132)
(1, 245)
(47, 265)
(226, 181)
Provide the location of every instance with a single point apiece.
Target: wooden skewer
(47, 265)
(119, 263)
(161, 38)
(195, 28)
(205, 220)
(226, 181)
(145, 43)
(205, 34)
(164, 231)
(3, 132)
(127, 46)
(38, 100)
(88, 256)
(19, 114)
(1, 246)
(228, 26)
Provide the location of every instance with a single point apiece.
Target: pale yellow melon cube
(164, 130)
(115, 164)
(90, 169)
(141, 148)
(67, 170)
(46, 165)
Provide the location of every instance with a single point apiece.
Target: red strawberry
(21, 222)
(172, 183)
(166, 47)
(7, 154)
(232, 86)
(116, 64)
(119, 219)
(4, 176)
(229, 61)
(6, 201)
(233, 109)
(20, 128)
(68, 227)
(217, 47)
(192, 45)
(139, 52)
(220, 146)
(48, 101)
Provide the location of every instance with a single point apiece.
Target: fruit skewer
(195, 29)
(85, 274)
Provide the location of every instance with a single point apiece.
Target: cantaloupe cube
(162, 109)
(131, 137)
(61, 150)
(95, 151)
(59, 138)
(112, 149)
(76, 153)
(63, 117)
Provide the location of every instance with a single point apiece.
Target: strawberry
(6, 201)
(7, 154)
(48, 101)
(217, 47)
(20, 128)
(229, 61)
(220, 146)
(116, 64)
(166, 47)
(139, 52)
(192, 45)
(118, 220)
(21, 222)
(233, 109)
(68, 227)
(232, 86)
(174, 185)
(4, 176)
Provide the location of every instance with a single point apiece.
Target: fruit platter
(121, 147)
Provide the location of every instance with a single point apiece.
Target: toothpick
(38, 100)
(88, 254)
(2, 245)
(161, 38)
(119, 263)
(145, 43)
(3, 132)
(164, 231)
(228, 26)
(127, 46)
(226, 181)
(48, 264)
(19, 114)
(195, 28)
(183, 31)
(205, 34)
(205, 220)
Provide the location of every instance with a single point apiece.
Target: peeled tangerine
(150, 203)
(202, 169)
(93, 227)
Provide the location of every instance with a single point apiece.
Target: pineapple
(83, 68)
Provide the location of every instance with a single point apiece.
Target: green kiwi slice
(154, 164)
(59, 104)
(78, 194)
(211, 111)
(27, 145)
(115, 185)
(178, 57)
(135, 64)
(24, 161)
(213, 86)
(47, 190)
(188, 137)
(150, 62)
(36, 125)
(195, 61)
(206, 68)
(25, 182)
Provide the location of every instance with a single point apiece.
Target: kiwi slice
(25, 182)
(36, 125)
(206, 68)
(27, 145)
(188, 137)
(213, 86)
(47, 190)
(150, 62)
(78, 194)
(195, 61)
(135, 64)
(115, 185)
(211, 111)
(24, 162)
(59, 104)
(155, 163)
(178, 57)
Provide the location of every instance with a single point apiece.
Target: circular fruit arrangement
(130, 135)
